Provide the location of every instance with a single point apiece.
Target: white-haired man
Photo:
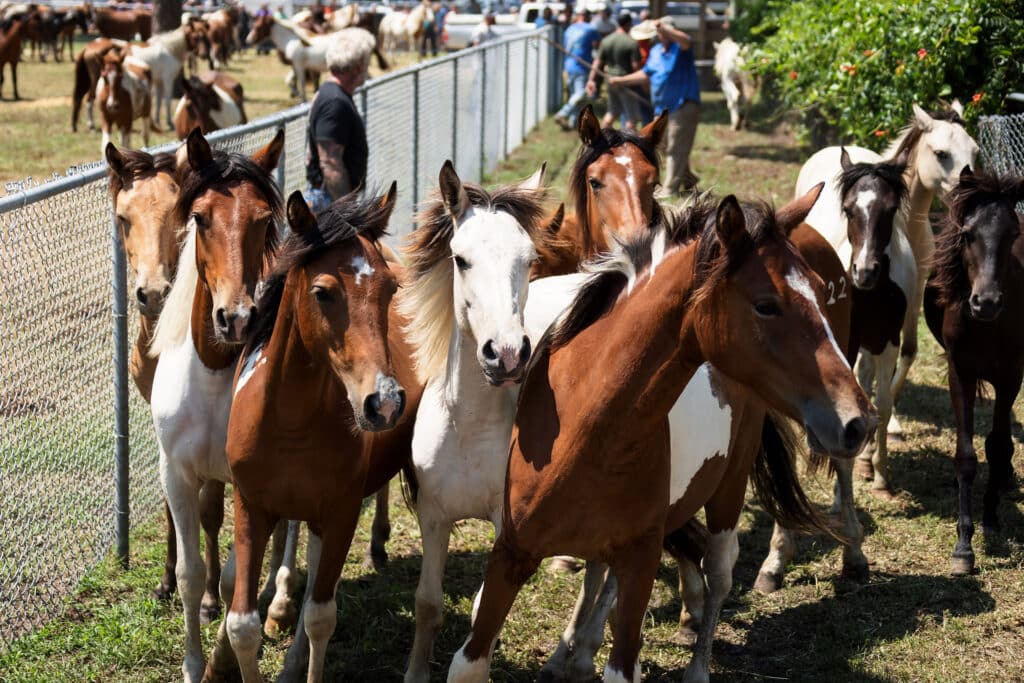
(336, 149)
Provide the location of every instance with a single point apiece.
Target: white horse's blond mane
(172, 326)
(427, 303)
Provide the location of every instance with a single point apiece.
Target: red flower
(792, 75)
(922, 53)
(879, 133)
(977, 97)
(868, 53)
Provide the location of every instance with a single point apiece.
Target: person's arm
(332, 165)
(638, 77)
(675, 35)
(595, 69)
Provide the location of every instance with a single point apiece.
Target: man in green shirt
(618, 55)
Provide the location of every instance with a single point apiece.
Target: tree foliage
(853, 67)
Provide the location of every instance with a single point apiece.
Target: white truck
(458, 26)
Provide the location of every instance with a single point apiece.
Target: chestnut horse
(972, 304)
(590, 471)
(124, 95)
(211, 102)
(144, 192)
(232, 210)
(75, 17)
(131, 24)
(320, 374)
(12, 30)
(88, 67)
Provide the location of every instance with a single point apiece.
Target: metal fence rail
(69, 417)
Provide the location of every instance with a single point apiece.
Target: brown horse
(972, 303)
(731, 290)
(318, 362)
(76, 17)
(88, 67)
(125, 94)
(12, 30)
(210, 102)
(123, 24)
(221, 29)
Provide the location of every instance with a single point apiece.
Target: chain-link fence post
(415, 143)
(483, 113)
(455, 112)
(121, 450)
(508, 114)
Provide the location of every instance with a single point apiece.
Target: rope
(603, 74)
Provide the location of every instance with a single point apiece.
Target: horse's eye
(595, 184)
(322, 294)
(461, 263)
(768, 308)
(941, 155)
(847, 212)
(125, 224)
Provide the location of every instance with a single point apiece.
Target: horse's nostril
(371, 407)
(222, 321)
(140, 294)
(488, 350)
(524, 350)
(853, 435)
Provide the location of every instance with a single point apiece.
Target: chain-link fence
(1001, 141)
(68, 416)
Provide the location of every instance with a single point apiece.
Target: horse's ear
(589, 127)
(300, 218)
(453, 194)
(654, 131)
(730, 224)
(387, 200)
(924, 119)
(116, 162)
(956, 106)
(554, 224)
(844, 158)
(902, 157)
(535, 181)
(266, 157)
(200, 155)
(795, 213)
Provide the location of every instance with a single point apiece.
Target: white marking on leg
(361, 269)
(799, 284)
(464, 671)
(615, 676)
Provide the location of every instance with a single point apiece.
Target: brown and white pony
(222, 27)
(131, 24)
(326, 359)
(124, 94)
(972, 305)
(12, 30)
(76, 17)
(211, 102)
(88, 67)
(590, 471)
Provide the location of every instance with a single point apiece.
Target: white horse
(466, 316)
(403, 28)
(165, 55)
(737, 83)
(304, 55)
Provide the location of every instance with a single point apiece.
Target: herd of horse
(585, 381)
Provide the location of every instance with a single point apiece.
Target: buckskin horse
(716, 294)
(972, 306)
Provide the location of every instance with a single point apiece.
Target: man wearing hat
(618, 56)
(675, 88)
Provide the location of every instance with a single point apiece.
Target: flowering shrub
(852, 67)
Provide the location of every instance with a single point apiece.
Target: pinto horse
(303, 55)
(971, 304)
(319, 363)
(12, 31)
(88, 67)
(211, 102)
(232, 210)
(590, 471)
(124, 95)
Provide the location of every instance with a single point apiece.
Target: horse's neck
(917, 226)
(174, 41)
(281, 35)
(464, 389)
(213, 355)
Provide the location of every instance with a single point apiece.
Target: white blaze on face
(361, 268)
(799, 284)
(627, 163)
(111, 101)
(865, 199)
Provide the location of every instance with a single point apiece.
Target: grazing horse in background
(320, 362)
(464, 298)
(939, 147)
(88, 67)
(211, 102)
(737, 83)
(133, 24)
(972, 305)
(74, 17)
(590, 470)
(124, 95)
(144, 192)
(12, 31)
(232, 210)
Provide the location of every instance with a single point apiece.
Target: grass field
(910, 622)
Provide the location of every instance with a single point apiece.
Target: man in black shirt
(336, 149)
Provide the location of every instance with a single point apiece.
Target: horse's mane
(972, 191)
(426, 298)
(711, 266)
(172, 325)
(141, 165)
(335, 225)
(911, 135)
(588, 154)
(888, 172)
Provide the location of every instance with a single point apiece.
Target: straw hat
(645, 30)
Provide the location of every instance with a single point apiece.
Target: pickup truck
(458, 26)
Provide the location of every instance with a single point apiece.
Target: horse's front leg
(635, 567)
(885, 366)
(855, 564)
(211, 515)
(281, 613)
(183, 498)
(435, 531)
(377, 554)
(781, 550)
(168, 582)
(573, 659)
(999, 451)
(962, 388)
(719, 560)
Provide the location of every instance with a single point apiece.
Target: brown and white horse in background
(124, 94)
(222, 29)
(88, 67)
(403, 28)
(132, 24)
(12, 31)
(210, 102)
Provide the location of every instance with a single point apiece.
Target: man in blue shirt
(579, 41)
(675, 88)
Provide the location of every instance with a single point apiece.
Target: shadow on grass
(773, 153)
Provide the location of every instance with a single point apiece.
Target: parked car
(458, 26)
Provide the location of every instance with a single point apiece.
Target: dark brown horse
(123, 24)
(12, 30)
(319, 362)
(76, 17)
(973, 305)
(590, 471)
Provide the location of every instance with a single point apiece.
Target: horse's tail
(776, 483)
(82, 86)
(381, 62)
(689, 541)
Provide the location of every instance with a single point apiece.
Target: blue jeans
(577, 93)
(317, 199)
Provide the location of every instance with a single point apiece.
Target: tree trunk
(166, 15)
(657, 9)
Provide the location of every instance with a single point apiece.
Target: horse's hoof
(278, 625)
(962, 566)
(375, 560)
(863, 468)
(855, 572)
(687, 634)
(164, 592)
(895, 439)
(212, 676)
(883, 494)
(564, 564)
(209, 611)
(767, 583)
